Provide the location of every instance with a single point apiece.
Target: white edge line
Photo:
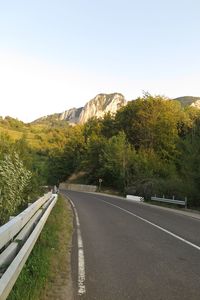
(157, 226)
(81, 259)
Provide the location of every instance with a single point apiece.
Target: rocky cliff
(72, 115)
(97, 107)
(189, 101)
(100, 105)
(196, 104)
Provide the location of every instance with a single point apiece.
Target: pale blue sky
(58, 54)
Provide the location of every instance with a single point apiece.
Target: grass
(48, 266)
(14, 134)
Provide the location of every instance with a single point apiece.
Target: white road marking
(157, 226)
(81, 259)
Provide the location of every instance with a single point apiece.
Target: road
(134, 251)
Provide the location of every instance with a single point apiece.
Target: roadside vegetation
(20, 182)
(46, 274)
(151, 146)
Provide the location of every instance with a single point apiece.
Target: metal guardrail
(17, 239)
(173, 201)
(135, 198)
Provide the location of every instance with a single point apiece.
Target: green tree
(14, 179)
(149, 174)
(109, 126)
(114, 161)
(92, 158)
(6, 145)
(63, 162)
(151, 123)
(91, 127)
(188, 164)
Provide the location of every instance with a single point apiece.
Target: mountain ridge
(189, 101)
(102, 104)
(96, 107)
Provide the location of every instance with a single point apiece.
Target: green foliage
(109, 126)
(151, 123)
(12, 123)
(189, 164)
(63, 162)
(147, 173)
(14, 179)
(115, 160)
(92, 161)
(151, 146)
(92, 127)
(22, 174)
(39, 136)
(6, 145)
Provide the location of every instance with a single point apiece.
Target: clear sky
(58, 54)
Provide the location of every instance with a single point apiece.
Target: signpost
(100, 181)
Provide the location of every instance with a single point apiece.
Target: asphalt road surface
(133, 251)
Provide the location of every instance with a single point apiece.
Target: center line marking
(81, 259)
(157, 226)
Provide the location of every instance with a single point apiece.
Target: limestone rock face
(72, 115)
(196, 104)
(97, 107)
(189, 101)
(100, 105)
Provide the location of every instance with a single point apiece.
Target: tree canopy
(151, 146)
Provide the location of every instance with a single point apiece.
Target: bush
(14, 179)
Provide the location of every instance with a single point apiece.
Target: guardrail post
(173, 197)
(185, 202)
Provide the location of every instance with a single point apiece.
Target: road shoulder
(185, 212)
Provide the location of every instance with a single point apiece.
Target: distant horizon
(59, 112)
(58, 55)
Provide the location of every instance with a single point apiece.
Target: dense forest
(151, 146)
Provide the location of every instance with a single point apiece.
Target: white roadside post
(100, 181)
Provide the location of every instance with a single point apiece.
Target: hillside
(96, 107)
(188, 100)
(53, 131)
(141, 149)
(46, 135)
(99, 106)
